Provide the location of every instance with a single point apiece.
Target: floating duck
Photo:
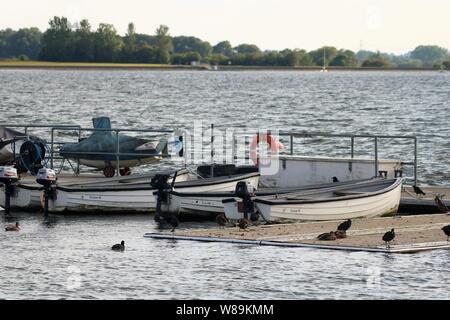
(15, 227)
(119, 247)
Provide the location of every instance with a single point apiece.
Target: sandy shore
(363, 233)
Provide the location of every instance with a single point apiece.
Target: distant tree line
(79, 42)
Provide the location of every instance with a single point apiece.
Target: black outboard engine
(8, 177)
(31, 155)
(159, 182)
(245, 191)
(47, 178)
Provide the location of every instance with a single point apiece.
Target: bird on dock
(15, 227)
(327, 236)
(243, 223)
(344, 226)
(340, 234)
(119, 246)
(440, 204)
(174, 223)
(335, 179)
(388, 237)
(222, 220)
(419, 191)
(446, 230)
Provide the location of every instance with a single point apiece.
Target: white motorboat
(369, 198)
(138, 197)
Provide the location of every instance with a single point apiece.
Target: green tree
(146, 54)
(163, 44)
(376, 61)
(57, 44)
(247, 48)
(430, 55)
(344, 58)
(223, 48)
(191, 44)
(318, 55)
(84, 42)
(186, 57)
(108, 44)
(130, 47)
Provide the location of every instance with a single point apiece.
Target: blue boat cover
(106, 141)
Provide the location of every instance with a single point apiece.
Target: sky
(395, 26)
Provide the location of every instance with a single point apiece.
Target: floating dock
(413, 234)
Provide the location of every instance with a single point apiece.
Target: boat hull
(382, 204)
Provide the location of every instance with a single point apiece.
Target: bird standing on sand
(440, 204)
(119, 246)
(388, 237)
(174, 223)
(15, 227)
(419, 191)
(243, 223)
(222, 220)
(446, 230)
(327, 236)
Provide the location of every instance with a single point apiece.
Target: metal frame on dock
(412, 248)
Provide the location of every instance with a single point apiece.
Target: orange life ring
(272, 142)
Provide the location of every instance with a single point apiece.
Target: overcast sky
(387, 25)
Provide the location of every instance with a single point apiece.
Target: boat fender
(274, 146)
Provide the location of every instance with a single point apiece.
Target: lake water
(70, 257)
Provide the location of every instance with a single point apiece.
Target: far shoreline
(161, 67)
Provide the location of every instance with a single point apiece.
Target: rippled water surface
(70, 257)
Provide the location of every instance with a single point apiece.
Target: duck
(340, 234)
(440, 204)
(243, 223)
(327, 236)
(119, 247)
(173, 221)
(222, 220)
(388, 237)
(15, 227)
(446, 230)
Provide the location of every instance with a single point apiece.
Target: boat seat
(347, 193)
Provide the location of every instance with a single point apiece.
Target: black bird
(340, 234)
(119, 247)
(222, 220)
(335, 179)
(446, 230)
(243, 223)
(15, 227)
(418, 191)
(174, 223)
(327, 236)
(344, 226)
(440, 204)
(388, 237)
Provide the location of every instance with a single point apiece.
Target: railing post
(376, 156)
(117, 153)
(415, 161)
(78, 159)
(51, 147)
(352, 147)
(291, 136)
(212, 150)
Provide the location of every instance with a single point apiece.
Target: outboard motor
(8, 177)
(159, 182)
(245, 191)
(47, 178)
(31, 155)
